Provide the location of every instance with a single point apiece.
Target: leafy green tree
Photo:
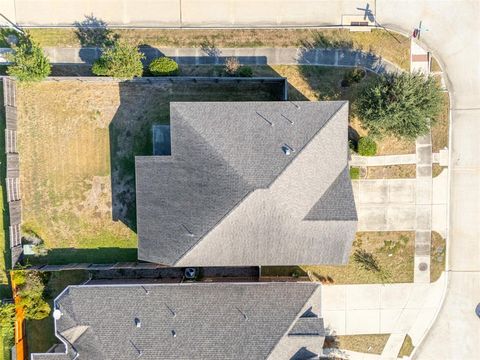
(403, 105)
(121, 60)
(7, 322)
(29, 63)
(30, 289)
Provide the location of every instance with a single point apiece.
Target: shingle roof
(182, 321)
(230, 185)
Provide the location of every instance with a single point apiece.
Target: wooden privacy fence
(12, 179)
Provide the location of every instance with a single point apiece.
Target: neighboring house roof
(189, 321)
(248, 183)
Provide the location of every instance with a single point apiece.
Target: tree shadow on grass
(94, 32)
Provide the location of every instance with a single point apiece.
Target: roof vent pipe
(138, 323)
(287, 149)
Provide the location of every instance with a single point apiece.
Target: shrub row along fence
(12, 179)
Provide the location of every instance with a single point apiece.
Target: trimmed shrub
(122, 60)
(29, 63)
(354, 173)
(245, 71)
(367, 146)
(402, 105)
(163, 66)
(353, 76)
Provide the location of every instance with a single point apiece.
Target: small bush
(163, 66)
(245, 71)
(353, 76)
(232, 65)
(29, 63)
(122, 60)
(366, 260)
(354, 173)
(367, 146)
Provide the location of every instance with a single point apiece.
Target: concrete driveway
(381, 309)
(391, 205)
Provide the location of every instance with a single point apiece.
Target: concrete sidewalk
(389, 160)
(381, 309)
(248, 56)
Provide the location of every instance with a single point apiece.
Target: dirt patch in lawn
(393, 250)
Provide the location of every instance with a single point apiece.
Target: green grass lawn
(394, 251)
(40, 333)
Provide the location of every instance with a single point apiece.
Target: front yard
(393, 250)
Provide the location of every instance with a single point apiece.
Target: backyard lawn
(78, 141)
(393, 250)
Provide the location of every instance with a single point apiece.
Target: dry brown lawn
(371, 344)
(391, 172)
(378, 41)
(437, 256)
(77, 142)
(441, 127)
(393, 250)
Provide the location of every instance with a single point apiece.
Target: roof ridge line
(290, 327)
(344, 103)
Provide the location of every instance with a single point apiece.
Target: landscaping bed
(393, 250)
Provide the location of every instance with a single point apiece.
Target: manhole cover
(422, 266)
